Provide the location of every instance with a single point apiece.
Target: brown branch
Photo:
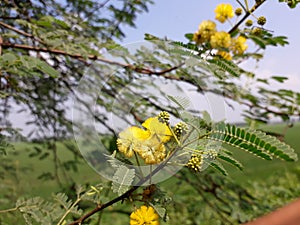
(91, 57)
(9, 17)
(103, 206)
(20, 32)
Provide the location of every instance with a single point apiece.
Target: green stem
(247, 5)
(9, 210)
(68, 211)
(174, 135)
(195, 139)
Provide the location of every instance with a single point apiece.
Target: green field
(20, 177)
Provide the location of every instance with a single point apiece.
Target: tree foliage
(52, 52)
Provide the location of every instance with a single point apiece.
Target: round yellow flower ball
(220, 40)
(224, 12)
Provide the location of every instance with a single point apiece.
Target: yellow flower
(131, 140)
(224, 55)
(148, 142)
(220, 40)
(238, 45)
(145, 215)
(207, 25)
(160, 131)
(224, 12)
(153, 154)
(206, 29)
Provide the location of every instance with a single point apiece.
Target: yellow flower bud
(195, 163)
(249, 23)
(261, 20)
(238, 11)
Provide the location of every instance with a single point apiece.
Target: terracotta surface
(287, 215)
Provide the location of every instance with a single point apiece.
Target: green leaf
(161, 211)
(122, 179)
(47, 69)
(258, 40)
(253, 141)
(150, 37)
(230, 160)
(226, 66)
(180, 101)
(218, 166)
(189, 46)
(61, 23)
(8, 58)
(281, 40)
(189, 36)
(279, 79)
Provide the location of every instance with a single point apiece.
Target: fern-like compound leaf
(256, 142)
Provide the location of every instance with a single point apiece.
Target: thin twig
(9, 210)
(68, 211)
(7, 26)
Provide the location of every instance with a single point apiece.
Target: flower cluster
(206, 29)
(148, 142)
(195, 163)
(220, 40)
(145, 215)
(180, 128)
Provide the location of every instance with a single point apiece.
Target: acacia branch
(142, 70)
(7, 26)
(127, 194)
(103, 206)
(137, 69)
